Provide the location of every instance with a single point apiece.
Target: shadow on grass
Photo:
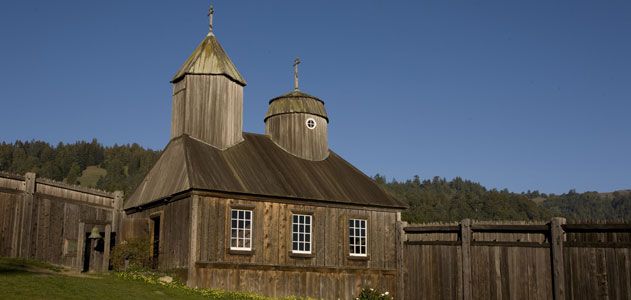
(13, 266)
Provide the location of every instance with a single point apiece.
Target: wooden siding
(329, 273)
(174, 232)
(290, 132)
(208, 108)
(257, 167)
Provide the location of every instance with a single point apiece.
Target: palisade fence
(516, 260)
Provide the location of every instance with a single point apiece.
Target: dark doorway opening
(99, 246)
(87, 249)
(155, 240)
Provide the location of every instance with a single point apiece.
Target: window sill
(301, 255)
(241, 252)
(360, 258)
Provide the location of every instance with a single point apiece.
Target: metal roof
(256, 166)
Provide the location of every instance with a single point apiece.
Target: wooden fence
(516, 260)
(47, 220)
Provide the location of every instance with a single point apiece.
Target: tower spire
(211, 11)
(296, 62)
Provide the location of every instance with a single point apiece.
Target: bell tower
(208, 95)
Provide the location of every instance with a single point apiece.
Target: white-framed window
(301, 233)
(311, 123)
(357, 237)
(241, 229)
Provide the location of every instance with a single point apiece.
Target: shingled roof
(256, 166)
(296, 102)
(209, 58)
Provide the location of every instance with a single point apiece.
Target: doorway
(155, 240)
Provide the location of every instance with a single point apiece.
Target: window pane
(234, 214)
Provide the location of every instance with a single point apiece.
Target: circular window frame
(315, 124)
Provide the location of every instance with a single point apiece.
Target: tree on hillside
(73, 173)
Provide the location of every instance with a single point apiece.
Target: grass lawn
(91, 175)
(22, 279)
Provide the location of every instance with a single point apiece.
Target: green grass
(24, 279)
(91, 175)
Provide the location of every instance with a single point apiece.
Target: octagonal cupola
(297, 122)
(208, 96)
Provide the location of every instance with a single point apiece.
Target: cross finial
(211, 11)
(296, 62)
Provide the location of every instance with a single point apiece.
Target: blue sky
(512, 94)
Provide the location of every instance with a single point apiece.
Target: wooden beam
(80, 246)
(400, 258)
(106, 251)
(465, 236)
(193, 253)
(596, 227)
(512, 228)
(432, 229)
(558, 273)
(27, 216)
(434, 243)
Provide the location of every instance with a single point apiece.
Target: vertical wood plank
(466, 234)
(80, 246)
(106, 251)
(556, 248)
(193, 249)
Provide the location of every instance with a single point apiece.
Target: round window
(311, 123)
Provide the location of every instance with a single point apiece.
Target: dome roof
(296, 102)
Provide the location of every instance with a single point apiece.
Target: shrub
(373, 294)
(136, 251)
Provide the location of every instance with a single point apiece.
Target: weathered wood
(80, 246)
(209, 108)
(556, 241)
(193, 242)
(106, 252)
(514, 228)
(465, 234)
(260, 169)
(597, 227)
(430, 229)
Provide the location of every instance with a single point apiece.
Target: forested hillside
(118, 167)
(441, 200)
(122, 167)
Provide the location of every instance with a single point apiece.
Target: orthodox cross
(211, 11)
(296, 62)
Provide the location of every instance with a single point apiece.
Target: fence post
(80, 246)
(106, 251)
(26, 220)
(556, 249)
(465, 236)
(401, 263)
(117, 211)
